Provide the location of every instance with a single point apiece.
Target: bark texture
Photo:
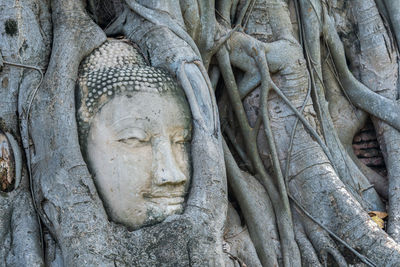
(277, 91)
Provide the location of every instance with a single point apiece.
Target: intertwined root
(310, 169)
(291, 119)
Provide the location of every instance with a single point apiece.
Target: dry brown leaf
(377, 217)
(379, 214)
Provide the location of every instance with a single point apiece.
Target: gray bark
(309, 122)
(20, 232)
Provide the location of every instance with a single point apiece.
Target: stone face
(139, 155)
(135, 127)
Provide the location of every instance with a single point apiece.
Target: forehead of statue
(154, 113)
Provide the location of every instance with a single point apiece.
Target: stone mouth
(172, 193)
(169, 199)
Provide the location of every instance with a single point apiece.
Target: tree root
(256, 209)
(393, 8)
(75, 36)
(309, 257)
(289, 248)
(160, 18)
(321, 241)
(313, 177)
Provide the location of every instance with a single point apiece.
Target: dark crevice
(366, 148)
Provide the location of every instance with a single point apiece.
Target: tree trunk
(277, 90)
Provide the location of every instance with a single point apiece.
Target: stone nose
(165, 169)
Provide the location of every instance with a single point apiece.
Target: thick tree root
(321, 241)
(56, 161)
(256, 208)
(393, 8)
(309, 257)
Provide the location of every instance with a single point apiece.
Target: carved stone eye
(7, 164)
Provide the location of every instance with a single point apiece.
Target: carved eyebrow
(126, 122)
(128, 127)
(126, 118)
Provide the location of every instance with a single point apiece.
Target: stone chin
(158, 212)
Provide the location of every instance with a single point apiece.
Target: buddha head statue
(134, 128)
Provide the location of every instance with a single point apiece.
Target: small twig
(245, 12)
(303, 120)
(237, 234)
(294, 132)
(299, 21)
(33, 94)
(234, 258)
(248, 13)
(222, 17)
(365, 189)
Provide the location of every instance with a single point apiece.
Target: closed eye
(181, 137)
(179, 141)
(134, 141)
(133, 136)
